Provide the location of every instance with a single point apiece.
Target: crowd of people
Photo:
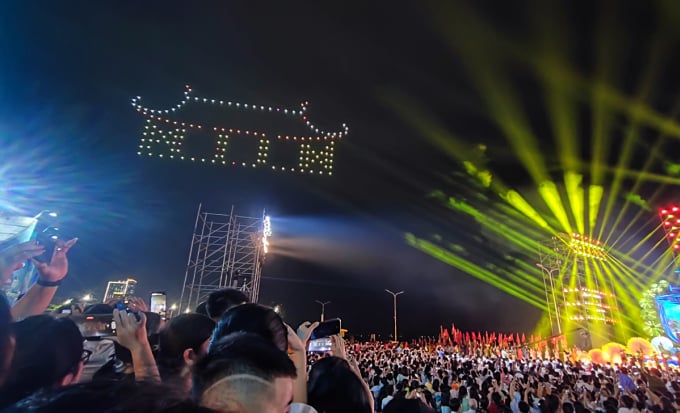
(231, 356)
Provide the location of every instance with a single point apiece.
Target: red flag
(517, 338)
(486, 337)
(519, 354)
(479, 336)
(467, 336)
(524, 339)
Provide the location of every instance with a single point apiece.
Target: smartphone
(320, 345)
(95, 325)
(66, 311)
(158, 301)
(326, 329)
(47, 236)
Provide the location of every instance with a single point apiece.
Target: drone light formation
(164, 136)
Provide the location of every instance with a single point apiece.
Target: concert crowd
(231, 356)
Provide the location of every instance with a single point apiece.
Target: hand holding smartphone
(320, 341)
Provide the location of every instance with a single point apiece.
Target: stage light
(52, 214)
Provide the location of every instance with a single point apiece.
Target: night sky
(69, 136)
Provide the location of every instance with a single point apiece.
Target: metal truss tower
(574, 292)
(227, 250)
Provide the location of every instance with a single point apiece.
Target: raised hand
(305, 330)
(57, 269)
(13, 258)
(137, 304)
(131, 332)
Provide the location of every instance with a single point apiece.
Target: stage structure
(227, 250)
(577, 297)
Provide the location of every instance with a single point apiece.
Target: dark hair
(222, 300)
(5, 334)
(180, 333)
(253, 318)
(202, 309)
(567, 408)
(407, 406)
(153, 322)
(334, 387)
(524, 407)
(109, 396)
(627, 401)
(47, 349)
(240, 353)
(454, 404)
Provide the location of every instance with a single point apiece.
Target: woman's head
(182, 341)
(333, 387)
(253, 318)
(49, 353)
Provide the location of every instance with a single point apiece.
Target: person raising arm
(50, 276)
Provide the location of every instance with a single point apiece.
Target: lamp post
(323, 308)
(394, 295)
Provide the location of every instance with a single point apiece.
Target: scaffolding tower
(227, 250)
(574, 292)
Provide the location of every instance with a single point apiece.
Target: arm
(132, 335)
(50, 275)
(297, 346)
(339, 351)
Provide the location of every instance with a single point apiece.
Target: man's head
(253, 318)
(244, 372)
(222, 300)
(49, 353)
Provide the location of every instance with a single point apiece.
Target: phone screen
(326, 329)
(95, 325)
(320, 345)
(158, 301)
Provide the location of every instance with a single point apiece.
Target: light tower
(227, 250)
(578, 297)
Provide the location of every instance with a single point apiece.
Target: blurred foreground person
(108, 397)
(335, 388)
(6, 339)
(181, 343)
(245, 373)
(256, 319)
(219, 302)
(48, 354)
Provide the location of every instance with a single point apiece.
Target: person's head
(455, 405)
(244, 372)
(6, 338)
(222, 300)
(256, 319)
(154, 322)
(567, 408)
(202, 309)
(182, 342)
(523, 407)
(627, 401)
(334, 387)
(49, 353)
(407, 406)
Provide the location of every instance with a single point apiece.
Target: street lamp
(394, 295)
(323, 307)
